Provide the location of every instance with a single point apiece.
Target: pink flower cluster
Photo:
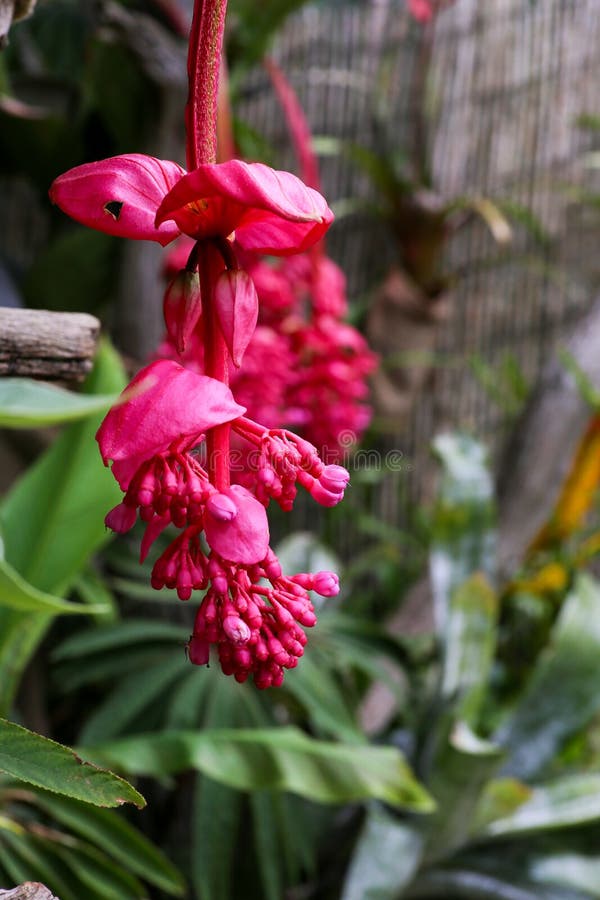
(318, 364)
(168, 439)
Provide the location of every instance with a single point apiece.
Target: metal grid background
(509, 82)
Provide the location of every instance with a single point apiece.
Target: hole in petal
(113, 208)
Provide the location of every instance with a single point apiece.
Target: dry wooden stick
(50, 345)
(29, 890)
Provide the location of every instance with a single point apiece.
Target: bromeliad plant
(169, 437)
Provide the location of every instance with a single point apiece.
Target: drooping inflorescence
(169, 438)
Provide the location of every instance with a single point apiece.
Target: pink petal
(236, 303)
(164, 403)
(119, 195)
(245, 539)
(154, 529)
(270, 211)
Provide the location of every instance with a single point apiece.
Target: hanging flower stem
(204, 62)
(216, 365)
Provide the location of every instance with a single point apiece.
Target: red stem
(204, 60)
(225, 139)
(216, 365)
(204, 56)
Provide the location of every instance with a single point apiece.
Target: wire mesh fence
(509, 98)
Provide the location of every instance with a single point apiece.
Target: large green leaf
(217, 809)
(573, 870)
(385, 858)
(44, 763)
(16, 593)
(469, 646)
(463, 534)
(282, 759)
(25, 403)
(470, 884)
(52, 520)
(462, 767)
(566, 802)
(562, 695)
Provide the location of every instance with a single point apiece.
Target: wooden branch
(50, 345)
(29, 890)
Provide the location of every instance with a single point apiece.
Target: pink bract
(164, 403)
(119, 195)
(269, 211)
(141, 197)
(245, 538)
(236, 305)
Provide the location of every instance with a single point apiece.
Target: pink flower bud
(327, 584)
(334, 478)
(236, 303)
(221, 507)
(323, 496)
(198, 650)
(271, 566)
(236, 629)
(182, 307)
(121, 518)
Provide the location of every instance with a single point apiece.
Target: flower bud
(327, 584)
(221, 507)
(334, 478)
(198, 650)
(121, 518)
(236, 629)
(182, 307)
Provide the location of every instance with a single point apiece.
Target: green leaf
(256, 26)
(46, 764)
(25, 403)
(573, 870)
(100, 878)
(279, 759)
(39, 864)
(470, 884)
(489, 211)
(385, 858)
(215, 829)
(462, 767)
(562, 694)
(267, 839)
(217, 808)
(314, 685)
(52, 520)
(463, 533)
(119, 636)
(469, 646)
(116, 837)
(130, 697)
(16, 593)
(567, 802)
